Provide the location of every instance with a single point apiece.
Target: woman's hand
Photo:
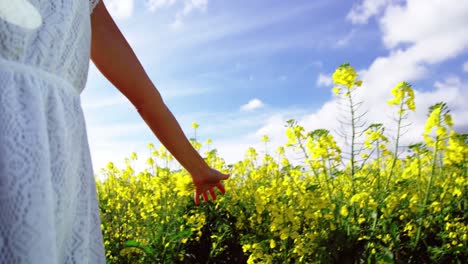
(206, 182)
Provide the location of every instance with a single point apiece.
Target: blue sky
(242, 68)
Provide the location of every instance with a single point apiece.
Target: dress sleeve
(92, 5)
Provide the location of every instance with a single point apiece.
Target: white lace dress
(48, 205)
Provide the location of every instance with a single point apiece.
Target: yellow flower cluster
(345, 76)
(149, 211)
(279, 210)
(439, 120)
(456, 152)
(403, 97)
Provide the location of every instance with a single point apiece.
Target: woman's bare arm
(116, 60)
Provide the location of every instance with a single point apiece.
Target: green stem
(307, 158)
(379, 166)
(428, 188)
(353, 136)
(419, 174)
(397, 143)
(327, 180)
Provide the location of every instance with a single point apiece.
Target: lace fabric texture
(48, 204)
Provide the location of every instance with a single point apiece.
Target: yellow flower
(403, 96)
(246, 247)
(336, 90)
(457, 192)
(346, 75)
(344, 211)
(184, 185)
(272, 243)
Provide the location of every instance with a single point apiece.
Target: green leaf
(312, 187)
(147, 249)
(388, 257)
(131, 243)
(181, 234)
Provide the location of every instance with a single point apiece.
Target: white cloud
(153, 5)
(443, 38)
(361, 13)
(452, 91)
(189, 7)
(202, 31)
(231, 151)
(427, 22)
(120, 9)
(252, 105)
(429, 45)
(465, 66)
(274, 126)
(192, 5)
(271, 124)
(324, 80)
(345, 40)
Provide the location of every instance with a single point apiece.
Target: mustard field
(373, 201)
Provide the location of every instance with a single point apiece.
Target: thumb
(225, 176)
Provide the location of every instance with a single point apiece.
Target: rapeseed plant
(389, 208)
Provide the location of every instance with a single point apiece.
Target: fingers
(225, 176)
(213, 194)
(206, 187)
(196, 198)
(221, 187)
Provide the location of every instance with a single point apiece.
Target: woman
(48, 204)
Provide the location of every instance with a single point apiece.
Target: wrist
(199, 170)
